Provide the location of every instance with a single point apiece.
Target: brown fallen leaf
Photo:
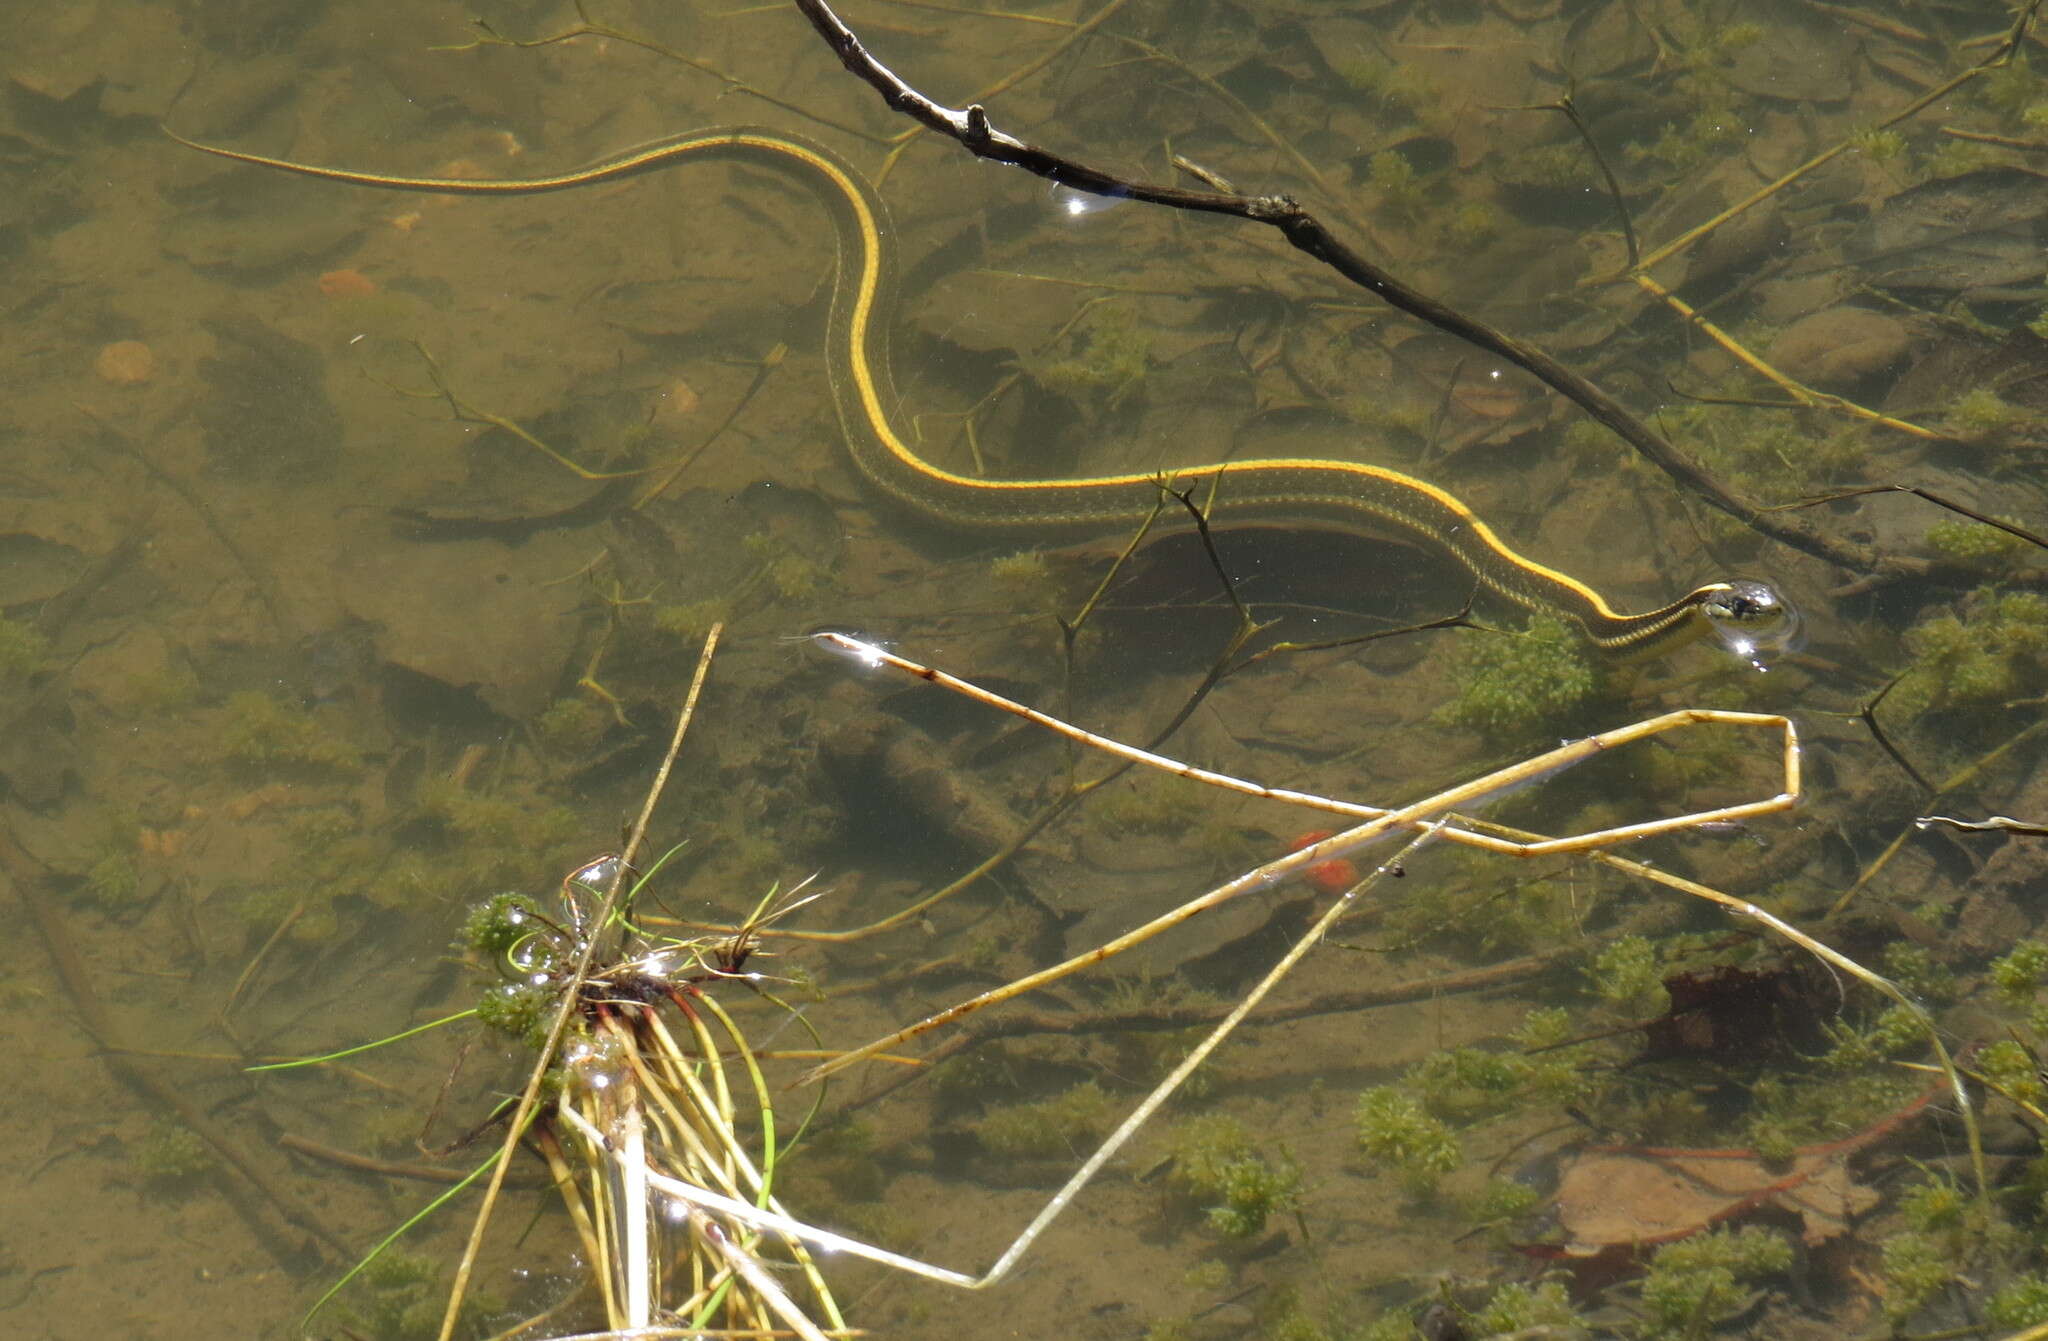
(1641, 1197)
(1623, 1198)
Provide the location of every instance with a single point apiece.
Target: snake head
(1751, 618)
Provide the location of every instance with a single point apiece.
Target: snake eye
(1750, 617)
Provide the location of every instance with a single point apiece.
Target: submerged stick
(26, 874)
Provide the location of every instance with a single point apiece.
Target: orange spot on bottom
(125, 363)
(347, 284)
(1331, 877)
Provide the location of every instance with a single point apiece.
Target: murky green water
(324, 620)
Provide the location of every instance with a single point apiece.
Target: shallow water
(324, 623)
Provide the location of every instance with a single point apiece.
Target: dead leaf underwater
(1618, 1199)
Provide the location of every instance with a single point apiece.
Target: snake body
(1372, 497)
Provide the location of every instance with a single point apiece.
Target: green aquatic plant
(1692, 1284)
(1217, 1165)
(1026, 578)
(1520, 682)
(1915, 1269)
(691, 620)
(498, 924)
(397, 1297)
(2017, 974)
(23, 650)
(1502, 1200)
(487, 840)
(1937, 1205)
(969, 1080)
(260, 730)
(172, 1156)
(1055, 1128)
(1467, 1084)
(1515, 1308)
(168, 688)
(1148, 803)
(1946, 1230)
(1879, 146)
(572, 727)
(1373, 77)
(1104, 358)
(1396, 183)
(1982, 415)
(1763, 454)
(2021, 1302)
(2012, 88)
(1856, 1078)
(1627, 976)
(1706, 134)
(1472, 224)
(1565, 166)
(1917, 969)
(841, 1157)
(1149, 1054)
(1995, 649)
(1976, 545)
(521, 1010)
(112, 880)
(791, 576)
(1394, 1129)
(1954, 158)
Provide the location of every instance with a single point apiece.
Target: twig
(1995, 824)
(259, 574)
(1939, 500)
(388, 1168)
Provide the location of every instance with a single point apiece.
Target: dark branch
(973, 130)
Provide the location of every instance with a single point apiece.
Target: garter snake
(1368, 495)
